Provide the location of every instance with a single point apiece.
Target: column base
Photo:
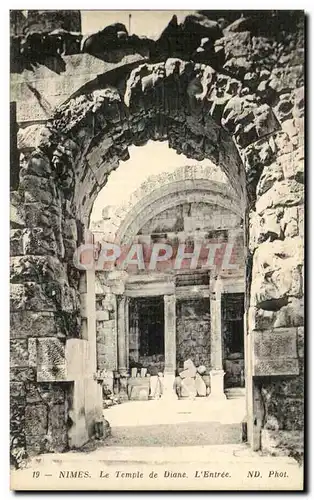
(123, 385)
(168, 391)
(217, 385)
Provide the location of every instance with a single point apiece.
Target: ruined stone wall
(106, 325)
(236, 98)
(193, 332)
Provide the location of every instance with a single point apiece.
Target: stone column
(217, 373)
(122, 344)
(86, 388)
(127, 331)
(170, 347)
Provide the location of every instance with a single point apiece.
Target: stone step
(235, 393)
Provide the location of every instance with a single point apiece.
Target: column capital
(215, 285)
(120, 298)
(170, 299)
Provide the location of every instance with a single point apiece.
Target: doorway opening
(146, 334)
(233, 339)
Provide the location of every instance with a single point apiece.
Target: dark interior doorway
(151, 326)
(233, 338)
(149, 323)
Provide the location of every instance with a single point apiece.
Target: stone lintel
(149, 289)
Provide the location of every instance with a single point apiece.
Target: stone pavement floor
(175, 422)
(180, 441)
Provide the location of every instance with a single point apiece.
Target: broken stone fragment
(200, 385)
(139, 393)
(202, 27)
(188, 364)
(154, 387)
(177, 386)
(188, 389)
(241, 24)
(188, 374)
(206, 379)
(201, 369)
(277, 266)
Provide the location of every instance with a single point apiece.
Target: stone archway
(202, 113)
(192, 203)
(164, 191)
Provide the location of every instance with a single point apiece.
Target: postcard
(157, 250)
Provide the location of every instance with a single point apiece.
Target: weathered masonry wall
(236, 98)
(193, 331)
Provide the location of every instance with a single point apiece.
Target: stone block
(301, 221)
(273, 367)
(290, 314)
(270, 174)
(37, 269)
(16, 242)
(77, 433)
(293, 166)
(107, 328)
(40, 241)
(36, 417)
(277, 273)
(286, 79)
(265, 227)
(284, 107)
(300, 342)
(76, 359)
(289, 222)
(102, 315)
(17, 390)
(18, 353)
(29, 324)
(22, 374)
(283, 443)
(237, 44)
(101, 349)
(275, 352)
(139, 393)
(49, 393)
(36, 445)
(32, 352)
(279, 343)
(282, 194)
(52, 373)
(38, 189)
(139, 388)
(57, 428)
(34, 297)
(51, 363)
(101, 361)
